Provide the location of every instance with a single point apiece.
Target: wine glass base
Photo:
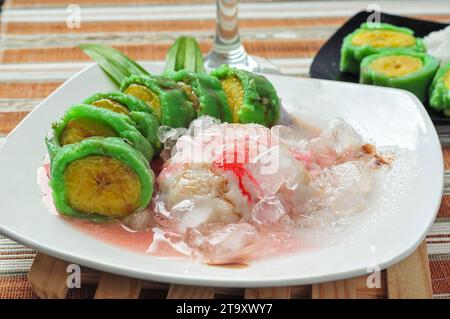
(266, 66)
(213, 60)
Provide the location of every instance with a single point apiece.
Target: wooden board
(408, 279)
(268, 293)
(48, 277)
(117, 287)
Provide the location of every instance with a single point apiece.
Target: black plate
(326, 63)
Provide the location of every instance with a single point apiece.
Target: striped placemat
(37, 54)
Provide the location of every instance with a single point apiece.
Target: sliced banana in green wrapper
(205, 93)
(118, 102)
(148, 125)
(167, 99)
(100, 179)
(439, 90)
(82, 121)
(252, 98)
(146, 121)
(372, 38)
(402, 69)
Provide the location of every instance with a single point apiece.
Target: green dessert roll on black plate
(146, 121)
(402, 69)
(252, 98)
(167, 99)
(439, 91)
(100, 179)
(205, 93)
(82, 121)
(372, 38)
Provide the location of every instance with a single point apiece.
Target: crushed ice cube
(276, 168)
(345, 186)
(337, 143)
(200, 124)
(289, 136)
(195, 212)
(223, 243)
(269, 211)
(166, 133)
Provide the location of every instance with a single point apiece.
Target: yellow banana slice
(111, 105)
(383, 38)
(447, 80)
(78, 129)
(397, 65)
(235, 95)
(102, 185)
(146, 95)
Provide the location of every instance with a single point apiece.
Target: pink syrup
(114, 233)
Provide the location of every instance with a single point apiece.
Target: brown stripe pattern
(268, 49)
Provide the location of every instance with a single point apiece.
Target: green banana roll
(402, 69)
(167, 99)
(205, 93)
(146, 121)
(100, 179)
(148, 125)
(252, 98)
(439, 91)
(82, 121)
(373, 38)
(118, 102)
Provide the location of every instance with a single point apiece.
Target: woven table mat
(38, 53)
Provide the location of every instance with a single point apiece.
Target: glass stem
(227, 47)
(227, 41)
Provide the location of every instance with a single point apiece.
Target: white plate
(384, 116)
